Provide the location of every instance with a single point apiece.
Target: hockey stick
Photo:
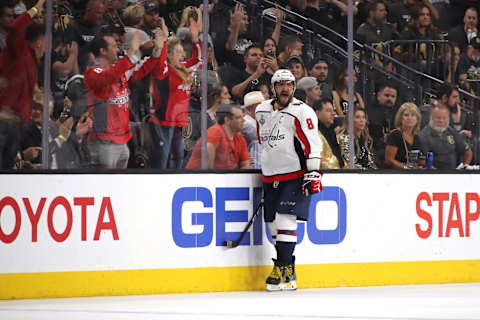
(235, 243)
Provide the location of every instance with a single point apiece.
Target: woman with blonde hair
(133, 19)
(364, 157)
(404, 138)
(191, 12)
(172, 85)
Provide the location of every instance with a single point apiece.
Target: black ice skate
(274, 280)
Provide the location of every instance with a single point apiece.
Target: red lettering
(9, 201)
(423, 196)
(60, 201)
(101, 225)
(457, 223)
(440, 197)
(469, 215)
(34, 217)
(83, 203)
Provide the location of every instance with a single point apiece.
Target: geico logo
(13, 210)
(465, 208)
(213, 220)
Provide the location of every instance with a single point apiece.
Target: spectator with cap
(297, 67)
(331, 157)
(226, 148)
(249, 132)
(252, 77)
(312, 89)
(151, 19)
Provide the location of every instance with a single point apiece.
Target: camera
(270, 53)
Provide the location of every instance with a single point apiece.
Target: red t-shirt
(228, 153)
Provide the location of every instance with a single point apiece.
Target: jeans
(108, 154)
(166, 140)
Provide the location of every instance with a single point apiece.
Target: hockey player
(287, 130)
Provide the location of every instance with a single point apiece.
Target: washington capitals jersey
(289, 139)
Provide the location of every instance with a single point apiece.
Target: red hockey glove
(312, 182)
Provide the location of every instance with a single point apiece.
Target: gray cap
(307, 83)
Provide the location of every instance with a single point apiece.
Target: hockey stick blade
(232, 243)
(236, 243)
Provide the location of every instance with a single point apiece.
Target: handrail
(366, 47)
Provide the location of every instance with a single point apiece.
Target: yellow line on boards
(217, 279)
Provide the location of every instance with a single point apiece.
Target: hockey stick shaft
(235, 243)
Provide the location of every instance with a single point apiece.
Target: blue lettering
(223, 216)
(185, 240)
(328, 236)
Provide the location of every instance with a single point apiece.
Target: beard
(438, 129)
(283, 98)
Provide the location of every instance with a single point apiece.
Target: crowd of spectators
(125, 87)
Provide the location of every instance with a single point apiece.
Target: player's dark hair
(34, 31)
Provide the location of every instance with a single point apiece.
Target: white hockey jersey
(289, 139)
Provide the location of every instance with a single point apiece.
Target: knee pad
(286, 227)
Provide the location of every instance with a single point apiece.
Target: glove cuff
(313, 164)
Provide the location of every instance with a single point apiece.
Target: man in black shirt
(463, 33)
(375, 29)
(252, 78)
(381, 115)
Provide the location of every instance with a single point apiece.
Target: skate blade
(274, 287)
(289, 286)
